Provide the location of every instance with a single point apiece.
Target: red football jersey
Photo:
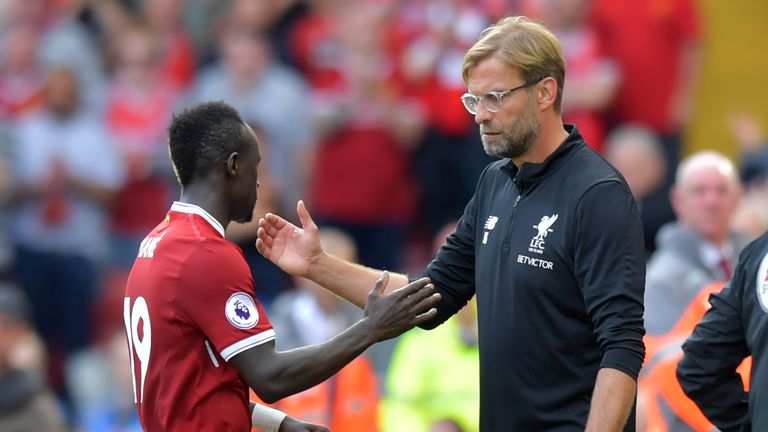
(189, 308)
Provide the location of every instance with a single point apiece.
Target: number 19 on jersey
(134, 316)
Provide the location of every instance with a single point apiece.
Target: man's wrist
(366, 329)
(318, 264)
(265, 418)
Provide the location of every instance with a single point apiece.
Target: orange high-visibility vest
(346, 402)
(659, 378)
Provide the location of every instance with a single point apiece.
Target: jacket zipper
(508, 233)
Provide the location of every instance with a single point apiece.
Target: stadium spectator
(269, 95)
(593, 77)
(417, 398)
(67, 172)
(26, 403)
(431, 38)
(698, 248)
(62, 42)
(657, 46)
(165, 18)
(696, 255)
(361, 179)
(751, 216)
(6, 192)
(638, 155)
(22, 78)
(139, 105)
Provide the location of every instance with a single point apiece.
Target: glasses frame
(499, 95)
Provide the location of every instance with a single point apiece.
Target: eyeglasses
(491, 100)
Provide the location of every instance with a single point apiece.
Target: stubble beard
(518, 139)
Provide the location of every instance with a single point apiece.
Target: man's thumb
(381, 283)
(304, 217)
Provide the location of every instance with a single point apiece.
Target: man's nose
(483, 115)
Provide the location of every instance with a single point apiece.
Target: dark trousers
(61, 290)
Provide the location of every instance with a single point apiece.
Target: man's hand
(392, 315)
(291, 248)
(291, 424)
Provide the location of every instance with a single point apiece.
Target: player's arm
(298, 252)
(274, 375)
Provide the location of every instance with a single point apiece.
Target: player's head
(210, 143)
(514, 74)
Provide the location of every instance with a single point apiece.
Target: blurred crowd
(356, 105)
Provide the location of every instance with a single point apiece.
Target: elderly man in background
(699, 248)
(695, 257)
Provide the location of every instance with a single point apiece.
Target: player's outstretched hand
(291, 248)
(291, 424)
(399, 311)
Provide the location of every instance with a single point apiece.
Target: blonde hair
(523, 44)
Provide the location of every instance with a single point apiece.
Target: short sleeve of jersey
(216, 295)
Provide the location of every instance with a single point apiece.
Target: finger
(425, 317)
(426, 303)
(275, 220)
(265, 239)
(411, 287)
(381, 284)
(271, 230)
(304, 217)
(266, 231)
(420, 295)
(264, 247)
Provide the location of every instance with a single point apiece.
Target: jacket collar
(533, 172)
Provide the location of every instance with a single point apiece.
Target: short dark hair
(202, 136)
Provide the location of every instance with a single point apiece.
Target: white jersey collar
(182, 207)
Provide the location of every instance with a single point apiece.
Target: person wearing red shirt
(197, 336)
(657, 46)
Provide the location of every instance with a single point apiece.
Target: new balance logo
(490, 224)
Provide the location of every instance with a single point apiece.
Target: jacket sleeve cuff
(625, 360)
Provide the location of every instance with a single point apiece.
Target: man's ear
(546, 93)
(233, 164)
